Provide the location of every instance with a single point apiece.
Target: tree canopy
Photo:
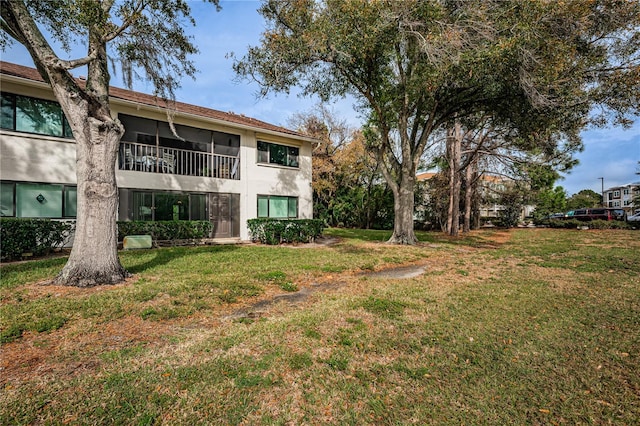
(538, 67)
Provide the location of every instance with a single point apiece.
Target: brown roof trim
(21, 71)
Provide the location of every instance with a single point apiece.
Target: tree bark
(454, 145)
(469, 191)
(403, 203)
(94, 256)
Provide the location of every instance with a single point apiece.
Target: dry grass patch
(504, 327)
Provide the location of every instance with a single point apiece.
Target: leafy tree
(415, 67)
(348, 189)
(584, 198)
(550, 201)
(512, 202)
(148, 39)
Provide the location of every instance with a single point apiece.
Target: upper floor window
(32, 115)
(616, 194)
(271, 153)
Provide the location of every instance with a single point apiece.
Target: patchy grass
(520, 327)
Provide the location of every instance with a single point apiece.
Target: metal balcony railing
(151, 159)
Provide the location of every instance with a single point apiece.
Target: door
(225, 215)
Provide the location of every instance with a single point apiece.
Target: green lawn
(519, 327)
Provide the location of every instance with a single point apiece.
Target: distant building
(622, 196)
(490, 187)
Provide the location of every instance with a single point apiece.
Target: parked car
(634, 218)
(555, 216)
(587, 215)
(618, 214)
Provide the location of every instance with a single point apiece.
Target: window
(37, 200)
(142, 206)
(32, 115)
(616, 194)
(625, 191)
(70, 201)
(277, 207)
(171, 206)
(6, 199)
(198, 205)
(283, 155)
(151, 206)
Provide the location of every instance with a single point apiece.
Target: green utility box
(136, 242)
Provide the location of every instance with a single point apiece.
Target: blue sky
(611, 153)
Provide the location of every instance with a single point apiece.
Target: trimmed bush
(609, 224)
(277, 231)
(39, 237)
(594, 224)
(166, 230)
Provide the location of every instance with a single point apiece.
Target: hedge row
(35, 236)
(277, 231)
(594, 224)
(166, 230)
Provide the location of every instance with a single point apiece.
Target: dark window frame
(291, 160)
(65, 188)
(65, 131)
(153, 207)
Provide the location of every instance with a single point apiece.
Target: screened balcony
(152, 159)
(154, 147)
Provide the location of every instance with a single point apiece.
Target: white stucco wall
(37, 158)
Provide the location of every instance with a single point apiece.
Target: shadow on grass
(372, 235)
(141, 261)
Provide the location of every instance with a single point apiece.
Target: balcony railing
(148, 158)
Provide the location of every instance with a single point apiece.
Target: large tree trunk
(454, 149)
(94, 256)
(403, 201)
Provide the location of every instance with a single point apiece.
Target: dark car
(587, 215)
(618, 214)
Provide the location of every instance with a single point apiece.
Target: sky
(610, 153)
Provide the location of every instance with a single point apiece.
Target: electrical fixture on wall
(41, 198)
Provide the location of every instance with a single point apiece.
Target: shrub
(594, 224)
(276, 231)
(166, 230)
(36, 236)
(608, 224)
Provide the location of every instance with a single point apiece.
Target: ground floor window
(38, 200)
(147, 205)
(276, 206)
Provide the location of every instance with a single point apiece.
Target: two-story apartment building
(622, 197)
(217, 166)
